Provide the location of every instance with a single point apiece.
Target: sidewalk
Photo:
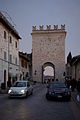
(74, 97)
(3, 91)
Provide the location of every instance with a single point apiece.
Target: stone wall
(48, 45)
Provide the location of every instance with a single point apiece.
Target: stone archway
(44, 66)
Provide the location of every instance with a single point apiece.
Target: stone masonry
(48, 45)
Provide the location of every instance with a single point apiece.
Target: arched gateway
(43, 69)
(48, 48)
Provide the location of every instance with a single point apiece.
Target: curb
(3, 91)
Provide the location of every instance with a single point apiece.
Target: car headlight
(67, 93)
(23, 91)
(51, 93)
(9, 91)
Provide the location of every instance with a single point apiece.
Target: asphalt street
(37, 107)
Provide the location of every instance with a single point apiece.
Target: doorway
(5, 79)
(48, 72)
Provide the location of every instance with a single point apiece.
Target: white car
(21, 88)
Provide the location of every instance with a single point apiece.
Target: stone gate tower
(48, 48)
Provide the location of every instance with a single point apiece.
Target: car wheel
(9, 97)
(47, 97)
(26, 94)
(31, 92)
(69, 99)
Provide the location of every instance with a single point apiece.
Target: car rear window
(57, 85)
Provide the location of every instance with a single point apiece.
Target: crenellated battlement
(49, 28)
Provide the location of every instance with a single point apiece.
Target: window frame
(10, 58)
(16, 44)
(5, 34)
(5, 55)
(16, 61)
(10, 39)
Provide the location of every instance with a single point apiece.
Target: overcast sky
(48, 71)
(26, 13)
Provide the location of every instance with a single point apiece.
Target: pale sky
(26, 13)
(49, 71)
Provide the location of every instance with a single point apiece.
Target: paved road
(36, 107)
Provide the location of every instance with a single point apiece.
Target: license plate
(14, 93)
(59, 96)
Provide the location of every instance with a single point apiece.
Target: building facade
(24, 63)
(48, 49)
(9, 47)
(75, 65)
(73, 68)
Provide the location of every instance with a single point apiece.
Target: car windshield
(20, 84)
(57, 85)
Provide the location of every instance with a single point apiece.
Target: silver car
(20, 88)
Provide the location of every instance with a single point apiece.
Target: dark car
(58, 90)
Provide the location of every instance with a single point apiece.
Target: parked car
(20, 89)
(58, 90)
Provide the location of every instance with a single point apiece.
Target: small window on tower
(4, 34)
(16, 44)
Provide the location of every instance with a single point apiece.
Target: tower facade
(48, 48)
